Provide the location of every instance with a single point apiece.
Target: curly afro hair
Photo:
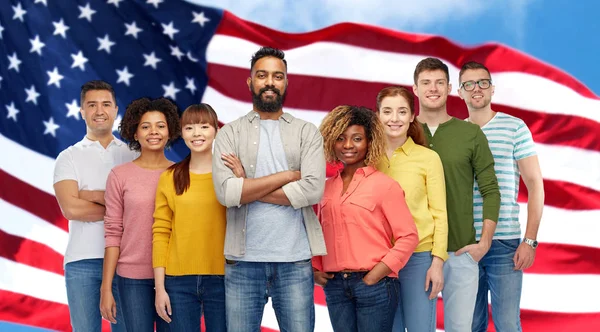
(134, 113)
(344, 116)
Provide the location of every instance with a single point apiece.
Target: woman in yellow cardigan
(189, 233)
(419, 171)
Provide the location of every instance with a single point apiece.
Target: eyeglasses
(470, 85)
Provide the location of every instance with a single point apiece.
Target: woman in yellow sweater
(189, 233)
(419, 171)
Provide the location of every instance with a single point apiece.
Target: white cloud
(410, 15)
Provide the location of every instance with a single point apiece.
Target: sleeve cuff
(440, 253)
(233, 193)
(294, 194)
(393, 262)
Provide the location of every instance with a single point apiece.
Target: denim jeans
(461, 278)
(137, 296)
(497, 274)
(355, 307)
(83, 279)
(290, 286)
(190, 296)
(416, 312)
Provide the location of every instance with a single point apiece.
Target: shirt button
(251, 166)
(244, 230)
(254, 143)
(430, 145)
(255, 127)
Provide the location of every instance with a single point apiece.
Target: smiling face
(198, 137)
(99, 112)
(152, 133)
(395, 114)
(478, 98)
(432, 89)
(268, 84)
(351, 146)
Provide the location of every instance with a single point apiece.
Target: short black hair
(135, 111)
(97, 85)
(429, 64)
(472, 65)
(266, 51)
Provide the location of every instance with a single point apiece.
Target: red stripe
(324, 94)
(552, 258)
(566, 195)
(27, 310)
(538, 321)
(28, 252)
(31, 199)
(496, 57)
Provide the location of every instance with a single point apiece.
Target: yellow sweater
(420, 174)
(189, 229)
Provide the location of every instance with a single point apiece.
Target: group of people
(419, 205)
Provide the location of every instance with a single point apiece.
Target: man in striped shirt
(501, 269)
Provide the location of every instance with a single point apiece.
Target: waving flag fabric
(172, 48)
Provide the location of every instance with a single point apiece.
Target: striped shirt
(510, 140)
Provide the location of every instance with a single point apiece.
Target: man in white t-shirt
(80, 177)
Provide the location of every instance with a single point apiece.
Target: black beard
(265, 105)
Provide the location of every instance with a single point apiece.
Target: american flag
(172, 48)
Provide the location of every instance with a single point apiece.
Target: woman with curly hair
(189, 232)
(419, 171)
(148, 126)
(369, 231)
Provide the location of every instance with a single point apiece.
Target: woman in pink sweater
(148, 126)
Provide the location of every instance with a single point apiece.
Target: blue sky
(560, 32)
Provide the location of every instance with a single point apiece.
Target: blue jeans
(355, 307)
(416, 311)
(137, 296)
(497, 274)
(461, 278)
(190, 295)
(290, 286)
(83, 279)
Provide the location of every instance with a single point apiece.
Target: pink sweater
(130, 195)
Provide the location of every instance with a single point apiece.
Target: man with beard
(465, 155)
(501, 269)
(269, 172)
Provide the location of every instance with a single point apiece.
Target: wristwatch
(532, 243)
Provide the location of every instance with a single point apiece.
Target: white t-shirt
(432, 129)
(88, 163)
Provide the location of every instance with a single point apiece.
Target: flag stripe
(565, 195)
(552, 258)
(25, 251)
(497, 58)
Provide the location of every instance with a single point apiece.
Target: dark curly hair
(135, 111)
(344, 116)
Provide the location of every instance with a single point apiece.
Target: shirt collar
(366, 171)
(407, 146)
(85, 142)
(287, 117)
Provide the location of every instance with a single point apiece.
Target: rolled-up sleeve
(113, 219)
(309, 189)
(228, 187)
(402, 224)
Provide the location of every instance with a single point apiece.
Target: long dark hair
(194, 114)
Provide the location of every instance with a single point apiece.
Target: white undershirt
(432, 130)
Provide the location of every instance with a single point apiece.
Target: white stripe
(27, 165)
(27, 280)
(322, 323)
(566, 226)
(328, 59)
(19, 222)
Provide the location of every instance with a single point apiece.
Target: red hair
(415, 129)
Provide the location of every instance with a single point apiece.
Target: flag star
(1, 81)
(79, 61)
(42, 1)
(1, 29)
(32, 95)
(60, 28)
(86, 12)
(154, 2)
(36, 45)
(73, 108)
(151, 60)
(105, 43)
(169, 29)
(170, 90)
(189, 56)
(124, 76)
(190, 85)
(117, 123)
(19, 12)
(50, 127)
(200, 18)
(132, 29)
(114, 2)
(176, 52)
(55, 77)
(14, 62)
(12, 111)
